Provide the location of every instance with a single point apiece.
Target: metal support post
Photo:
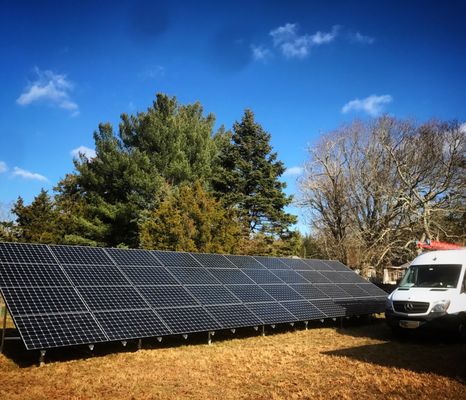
(305, 325)
(139, 344)
(42, 358)
(209, 338)
(263, 330)
(4, 329)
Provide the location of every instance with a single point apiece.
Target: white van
(432, 293)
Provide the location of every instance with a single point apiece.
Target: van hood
(422, 294)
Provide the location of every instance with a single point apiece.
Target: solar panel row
(64, 295)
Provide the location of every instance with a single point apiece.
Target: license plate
(409, 324)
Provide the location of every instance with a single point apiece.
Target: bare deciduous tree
(373, 188)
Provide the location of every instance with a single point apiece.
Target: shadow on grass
(16, 351)
(420, 351)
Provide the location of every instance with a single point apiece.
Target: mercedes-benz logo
(409, 306)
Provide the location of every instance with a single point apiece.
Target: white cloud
(260, 53)
(86, 151)
(153, 72)
(292, 45)
(49, 88)
(463, 127)
(360, 38)
(293, 171)
(3, 167)
(22, 173)
(372, 105)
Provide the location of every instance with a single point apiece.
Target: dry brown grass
(358, 362)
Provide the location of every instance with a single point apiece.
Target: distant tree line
(166, 180)
(373, 188)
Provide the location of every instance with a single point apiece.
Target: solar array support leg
(3, 329)
(263, 330)
(209, 338)
(305, 325)
(341, 322)
(42, 358)
(139, 344)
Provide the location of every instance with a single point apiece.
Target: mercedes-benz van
(431, 293)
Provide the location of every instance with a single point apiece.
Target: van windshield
(435, 276)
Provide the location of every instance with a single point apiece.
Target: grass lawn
(360, 361)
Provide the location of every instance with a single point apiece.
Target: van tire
(461, 328)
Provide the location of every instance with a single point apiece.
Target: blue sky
(303, 67)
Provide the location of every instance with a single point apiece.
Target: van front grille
(411, 307)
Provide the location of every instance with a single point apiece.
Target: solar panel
(167, 296)
(174, 259)
(353, 277)
(212, 294)
(132, 257)
(56, 330)
(213, 260)
(234, 316)
(42, 300)
(303, 310)
(246, 262)
(333, 291)
(31, 275)
(334, 277)
(309, 291)
(354, 290)
(262, 276)
(188, 320)
(25, 254)
(79, 255)
(112, 298)
(314, 277)
(193, 276)
(329, 308)
(271, 313)
(296, 264)
(142, 276)
(271, 262)
(95, 275)
(281, 292)
(289, 276)
(373, 290)
(231, 276)
(250, 293)
(131, 324)
(337, 266)
(318, 265)
(68, 295)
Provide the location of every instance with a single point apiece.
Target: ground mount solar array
(70, 295)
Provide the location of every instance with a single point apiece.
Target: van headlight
(440, 306)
